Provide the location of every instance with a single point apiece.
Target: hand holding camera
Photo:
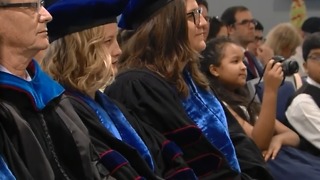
(273, 75)
(279, 67)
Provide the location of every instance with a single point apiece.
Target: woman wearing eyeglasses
(160, 81)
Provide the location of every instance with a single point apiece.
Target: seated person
(223, 65)
(79, 59)
(216, 28)
(258, 39)
(283, 39)
(303, 112)
(159, 79)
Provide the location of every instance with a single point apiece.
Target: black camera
(289, 67)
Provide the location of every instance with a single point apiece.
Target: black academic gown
(168, 165)
(153, 100)
(41, 135)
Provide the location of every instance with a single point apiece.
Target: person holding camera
(223, 65)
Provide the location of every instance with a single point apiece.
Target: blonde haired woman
(283, 39)
(79, 59)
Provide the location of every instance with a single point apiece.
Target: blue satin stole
(5, 173)
(206, 111)
(42, 88)
(116, 123)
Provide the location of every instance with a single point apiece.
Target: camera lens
(290, 67)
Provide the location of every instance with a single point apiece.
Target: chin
(201, 46)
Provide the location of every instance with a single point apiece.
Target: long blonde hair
(79, 61)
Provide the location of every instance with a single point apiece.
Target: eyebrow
(315, 54)
(190, 11)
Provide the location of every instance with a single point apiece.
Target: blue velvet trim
(112, 160)
(5, 173)
(206, 111)
(185, 173)
(170, 150)
(128, 133)
(101, 114)
(116, 123)
(184, 136)
(42, 88)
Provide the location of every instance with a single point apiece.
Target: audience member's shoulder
(137, 75)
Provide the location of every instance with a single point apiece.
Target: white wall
(268, 12)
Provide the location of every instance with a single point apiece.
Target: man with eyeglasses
(41, 136)
(241, 28)
(303, 112)
(258, 39)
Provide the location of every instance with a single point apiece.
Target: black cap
(70, 16)
(138, 11)
(311, 25)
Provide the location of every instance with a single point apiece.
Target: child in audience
(303, 112)
(223, 64)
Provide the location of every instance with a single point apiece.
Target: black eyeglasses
(259, 38)
(34, 5)
(247, 22)
(196, 14)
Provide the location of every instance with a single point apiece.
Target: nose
(251, 25)
(243, 66)
(117, 51)
(45, 16)
(203, 21)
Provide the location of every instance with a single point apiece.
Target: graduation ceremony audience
(223, 56)
(82, 57)
(156, 89)
(216, 28)
(303, 109)
(151, 80)
(42, 137)
(258, 38)
(223, 64)
(283, 39)
(159, 75)
(309, 26)
(241, 29)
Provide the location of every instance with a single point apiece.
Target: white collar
(312, 82)
(3, 69)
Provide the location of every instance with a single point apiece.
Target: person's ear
(305, 67)
(214, 70)
(230, 29)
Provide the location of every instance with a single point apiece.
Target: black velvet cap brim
(70, 16)
(138, 11)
